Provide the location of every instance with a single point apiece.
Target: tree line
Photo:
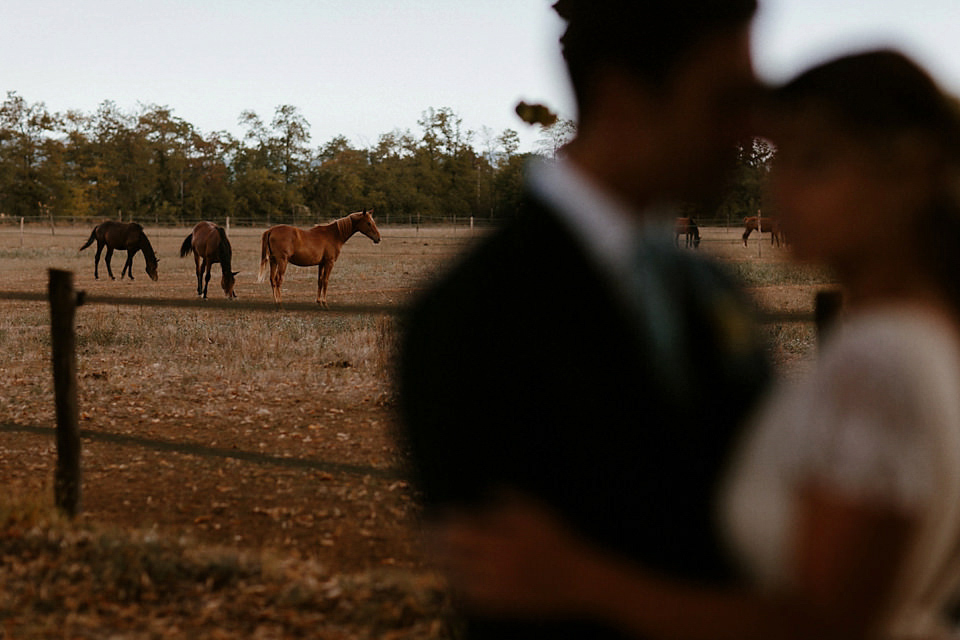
(151, 165)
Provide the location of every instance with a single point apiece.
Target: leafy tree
(745, 195)
(554, 137)
(291, 135)
(335, 185)
(29, 171)
(152, 164)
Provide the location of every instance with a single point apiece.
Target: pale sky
(362, 68)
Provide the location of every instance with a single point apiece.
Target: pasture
(262, 432)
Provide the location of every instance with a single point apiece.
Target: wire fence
(203, 451)
(47, 225)
(64, 300)
(42, 225)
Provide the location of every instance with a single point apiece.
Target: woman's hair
(878, 95)
(881, 97)
(646, 38)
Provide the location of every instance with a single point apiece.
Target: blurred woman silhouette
(843, 503)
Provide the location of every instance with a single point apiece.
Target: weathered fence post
(21, 232)
(759, 234)
(228, 225)
(63, 306)
(827, 305)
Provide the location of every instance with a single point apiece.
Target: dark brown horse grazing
(209, 244)
(772, 225)
(319, 245)
(687, 227)
(122, 236)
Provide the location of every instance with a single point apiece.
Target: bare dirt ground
(269, 434)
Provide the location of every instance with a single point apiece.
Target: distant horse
(209, 244)
(769, 224)
(319, 245)
(689, 228)
(122, 236)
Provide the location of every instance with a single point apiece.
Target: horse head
(364, 224)
(152, 268)
(227, 281)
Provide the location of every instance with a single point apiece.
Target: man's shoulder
(509, 258)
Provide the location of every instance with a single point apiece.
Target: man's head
(664, 86)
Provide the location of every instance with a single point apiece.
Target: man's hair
(646, 38)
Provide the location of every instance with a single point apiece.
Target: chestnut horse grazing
(772, 225)
(687, 227)
(319, 245)
(122, 236)
(209, 245)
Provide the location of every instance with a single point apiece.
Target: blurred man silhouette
(576, 354)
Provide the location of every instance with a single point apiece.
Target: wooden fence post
(63, 306)
(21, 232)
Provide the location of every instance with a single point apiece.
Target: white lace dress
(878, 419)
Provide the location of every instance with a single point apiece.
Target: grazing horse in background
(319, 245)
(122, 236)
(209, 244)
(689, 228)
(772, 225)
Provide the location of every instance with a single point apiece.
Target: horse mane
(345, 226)
(224, 250)
(146, 247)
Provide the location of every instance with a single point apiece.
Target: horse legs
(196, 263)
(206, 267)
(322, 279)
(277, 267)
(96, 262)
(128, 265)
(106, 261)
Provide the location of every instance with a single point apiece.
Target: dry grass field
(267, 436)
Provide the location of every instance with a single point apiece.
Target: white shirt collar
(607, 227)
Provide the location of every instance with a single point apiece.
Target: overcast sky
(362, 68)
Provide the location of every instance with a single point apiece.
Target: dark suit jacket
(523, 368)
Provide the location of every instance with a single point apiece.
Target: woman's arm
(519, 560)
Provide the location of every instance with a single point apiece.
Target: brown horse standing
(122, 236)
(319, 245)
(687, 227)
(772, 225)
(209, 243)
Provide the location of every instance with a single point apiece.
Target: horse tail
(93, 236)
(187, 246)
(264, 241)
